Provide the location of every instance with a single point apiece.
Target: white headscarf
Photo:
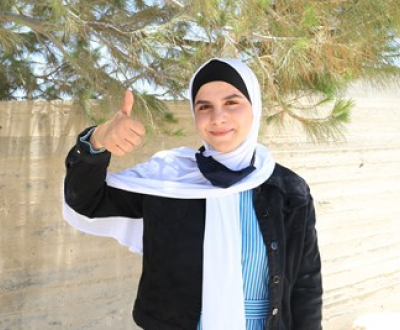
(174, 173)
(240, 157)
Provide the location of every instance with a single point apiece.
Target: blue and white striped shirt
(254, 266)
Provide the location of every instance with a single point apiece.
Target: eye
(231, 102)
(203, 107)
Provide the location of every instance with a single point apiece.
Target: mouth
(221, 132)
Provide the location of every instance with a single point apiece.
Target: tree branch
(34, 24)
(43, 29)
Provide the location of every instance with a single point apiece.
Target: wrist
(95, 143)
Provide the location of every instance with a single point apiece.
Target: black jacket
(169, 293)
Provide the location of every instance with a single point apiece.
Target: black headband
(218, 71)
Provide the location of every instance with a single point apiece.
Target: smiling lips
(220, 133)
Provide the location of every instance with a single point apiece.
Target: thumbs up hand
(126, 107)
(121, 134)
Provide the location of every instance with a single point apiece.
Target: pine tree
(305, 53)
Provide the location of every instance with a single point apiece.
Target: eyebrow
(229, 97)
(232, 96)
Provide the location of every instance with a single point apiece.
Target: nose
(218, 115)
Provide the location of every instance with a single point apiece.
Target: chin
(222, 149)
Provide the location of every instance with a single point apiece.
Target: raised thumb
(127, 105)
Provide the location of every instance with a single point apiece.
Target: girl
(227, 235)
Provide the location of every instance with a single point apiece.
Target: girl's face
(223, 115)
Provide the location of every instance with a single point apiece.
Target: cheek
(247, 121)
(250, 123)
(199, 124)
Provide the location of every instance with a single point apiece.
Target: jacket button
(265, 214)
(275, 279)
(275, 311)
(274, 245)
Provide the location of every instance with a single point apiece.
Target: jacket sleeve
(85, 188)
(306, 301)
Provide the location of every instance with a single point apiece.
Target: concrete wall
(53, 277)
